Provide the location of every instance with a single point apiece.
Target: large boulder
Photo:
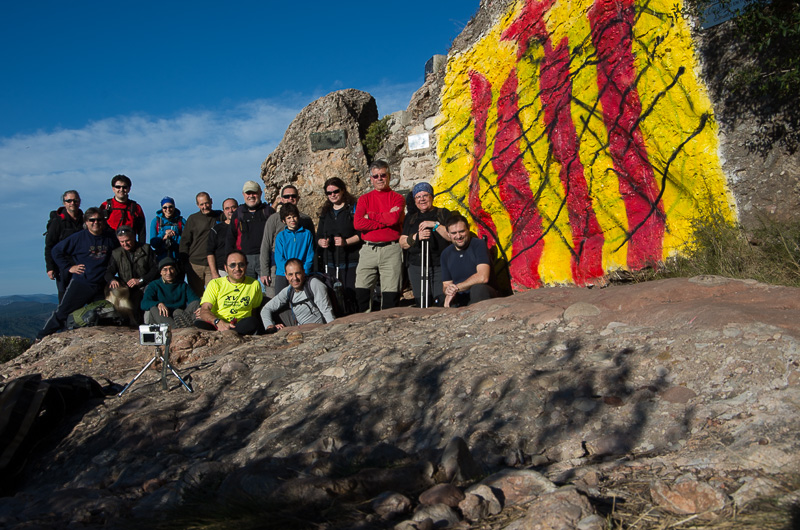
(323, 141)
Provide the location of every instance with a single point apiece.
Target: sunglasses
(70, 201)
(289, 196)
(95, 220)
(380, 176)
(165, 207)
(237, 265)
(122, 187)
(252, 193)
(334, 192)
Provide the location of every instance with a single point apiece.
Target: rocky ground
(640, 406)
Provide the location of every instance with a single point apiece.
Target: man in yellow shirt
(229, 302)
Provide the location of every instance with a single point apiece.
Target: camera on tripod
(153, 334)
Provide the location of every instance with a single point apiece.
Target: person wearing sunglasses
(85, 256)
(229, 302)
(166, 230)
(288, 195)
(379, 218)
(247, 229)
(122, 210)
(63, 222)
(338, 239)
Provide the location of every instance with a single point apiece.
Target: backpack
(129, 219)
(332, 286)
(93, 314)
(158, 224)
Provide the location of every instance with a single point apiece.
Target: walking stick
(424, 289)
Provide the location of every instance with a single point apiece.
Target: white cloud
(214, 151)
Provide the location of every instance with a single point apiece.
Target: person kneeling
(466, 266)
(167, 301)
(229, 302)
(307, 300)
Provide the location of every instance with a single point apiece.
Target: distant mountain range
(24, 315)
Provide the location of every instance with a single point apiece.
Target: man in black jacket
(63, 223)
(247, 229)
(133, 266)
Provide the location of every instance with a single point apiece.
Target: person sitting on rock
(84, 255)
(229, 302)
(168, 300)
(132, 267)
(466, 267)
(166, 229)
(306, 298)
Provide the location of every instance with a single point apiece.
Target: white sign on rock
(419, 141)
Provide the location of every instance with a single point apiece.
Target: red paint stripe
(513, 183)
(481, 93)
(556, 90)
(612, 24)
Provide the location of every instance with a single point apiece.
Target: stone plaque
(418, 141)
(321, 141)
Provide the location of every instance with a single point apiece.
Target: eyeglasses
(252, 192)
(95, 220)
(380, 176)
(422, 197)
(70, 201)
(334, 192)
(122, 187)
(287, 197)
(237, 265)
(167, 207)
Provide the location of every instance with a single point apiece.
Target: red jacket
(381, 225)
(130, 213)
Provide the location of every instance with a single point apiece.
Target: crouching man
(168, 301)
(229, 302)
(465, 266)
(307, 300)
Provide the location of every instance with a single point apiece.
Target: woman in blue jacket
(165, 230)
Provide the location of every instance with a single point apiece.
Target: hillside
(24, 315)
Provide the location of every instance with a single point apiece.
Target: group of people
(249, 267)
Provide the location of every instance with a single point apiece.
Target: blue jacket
(83, 248)
(158, 227)
(294, 244)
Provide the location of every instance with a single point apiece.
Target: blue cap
(422, 186)
(167, 200)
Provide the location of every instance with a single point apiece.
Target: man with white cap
(247, 229)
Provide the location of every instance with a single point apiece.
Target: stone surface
(688, 496)
(518, 486)
(563, 509)
(442, 494)
(457, 462)
(391, 504)
(510, 376)
(442, 515)
(345, 113)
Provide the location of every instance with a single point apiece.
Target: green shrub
(11, 347)
(377, 133)
(769, 254)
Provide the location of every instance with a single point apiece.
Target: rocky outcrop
(323, 141)
(670, 396)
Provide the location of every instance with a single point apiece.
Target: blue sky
(180, 96)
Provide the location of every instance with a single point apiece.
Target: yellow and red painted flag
(578, 138)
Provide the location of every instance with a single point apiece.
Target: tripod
(165, 364)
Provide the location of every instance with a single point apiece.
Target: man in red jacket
(122, 210)
(379, 218)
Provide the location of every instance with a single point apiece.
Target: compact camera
(154, 334)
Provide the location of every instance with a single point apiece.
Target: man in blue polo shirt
(466, 268)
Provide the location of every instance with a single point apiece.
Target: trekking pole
(424, 289)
